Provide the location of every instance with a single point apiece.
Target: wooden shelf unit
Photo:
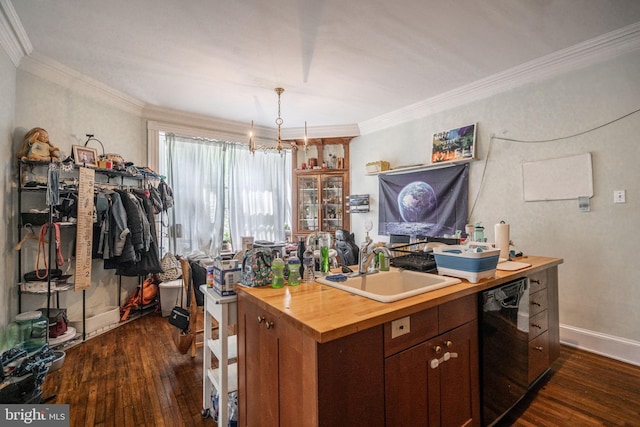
(318, 202)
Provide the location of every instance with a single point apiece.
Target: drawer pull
(536, 281)
(535, 325)
(539, 348)
(268, 325)
(537, 304)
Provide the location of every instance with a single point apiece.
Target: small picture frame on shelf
(85, 156)
(454, 145)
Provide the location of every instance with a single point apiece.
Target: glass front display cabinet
(320, 203)
(320, 184)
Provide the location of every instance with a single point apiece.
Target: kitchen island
(314, 355)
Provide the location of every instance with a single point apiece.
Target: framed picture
(454, 145)
(85, 156)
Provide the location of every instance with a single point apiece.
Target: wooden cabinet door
(435, 383)
(333, 202)
(319, 202)
(270, 369)
(407, 391)
(459, 377)
(258, 368)
(306, 204)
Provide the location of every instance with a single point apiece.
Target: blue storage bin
(459, 261)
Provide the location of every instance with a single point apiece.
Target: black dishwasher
(504, 340)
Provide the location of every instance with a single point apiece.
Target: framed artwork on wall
(454, 145)
(85, 156)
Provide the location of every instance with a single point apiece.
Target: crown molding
(216, 128)
(335, 131)
(55, 72)
(200, 125)
(13, 37)
(599, 49)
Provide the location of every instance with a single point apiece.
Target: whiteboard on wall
(558, 179)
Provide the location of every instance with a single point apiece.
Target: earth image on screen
(416, 201)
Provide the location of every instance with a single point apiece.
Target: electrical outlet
(619, 196)
(400, 327)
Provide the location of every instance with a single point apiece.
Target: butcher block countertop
(325, 313)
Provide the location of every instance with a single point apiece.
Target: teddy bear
(36, 147)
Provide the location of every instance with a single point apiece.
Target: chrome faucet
(367, 257)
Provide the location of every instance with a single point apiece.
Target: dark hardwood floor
(582, 389)
(134, 376)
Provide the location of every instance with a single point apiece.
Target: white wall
(68, 115)
(7, 117)
(599, 289)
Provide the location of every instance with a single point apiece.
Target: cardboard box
(224, 279)
(379, 166)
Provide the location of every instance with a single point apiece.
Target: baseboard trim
(617, 348)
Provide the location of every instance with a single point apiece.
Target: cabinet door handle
(448, 344)
(539, 348)
(535, 325)
(537, 282)
(437, 349)
(268, 325)
(537, 304)
(260, 319)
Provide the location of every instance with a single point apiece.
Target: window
(222, 191)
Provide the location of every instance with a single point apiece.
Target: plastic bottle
(277, 266)
(324, 255)
(478, 234)
(384, 261)
(308, 263)
(294, 270)
(302, 247)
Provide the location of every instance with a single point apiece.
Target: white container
(169, 295)
(458, 261)
(98, 320)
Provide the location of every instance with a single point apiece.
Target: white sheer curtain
(259, 194)
(212, 179)
(195, 172)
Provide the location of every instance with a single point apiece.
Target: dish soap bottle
(383, 261)
(277, 266)
(324, 254)
(294, 270)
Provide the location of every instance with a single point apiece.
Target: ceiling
(340, 62)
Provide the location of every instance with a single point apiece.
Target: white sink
(393, 285)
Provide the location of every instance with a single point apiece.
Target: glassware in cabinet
(308, 206)
(332, 202)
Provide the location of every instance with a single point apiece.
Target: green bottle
(294, 270)
(324, 254)
(277, 266)
(384, 262)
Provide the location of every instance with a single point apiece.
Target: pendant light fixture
(278, 147)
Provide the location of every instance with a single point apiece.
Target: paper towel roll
(502, 239)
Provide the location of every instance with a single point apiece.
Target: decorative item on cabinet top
(358, 203)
